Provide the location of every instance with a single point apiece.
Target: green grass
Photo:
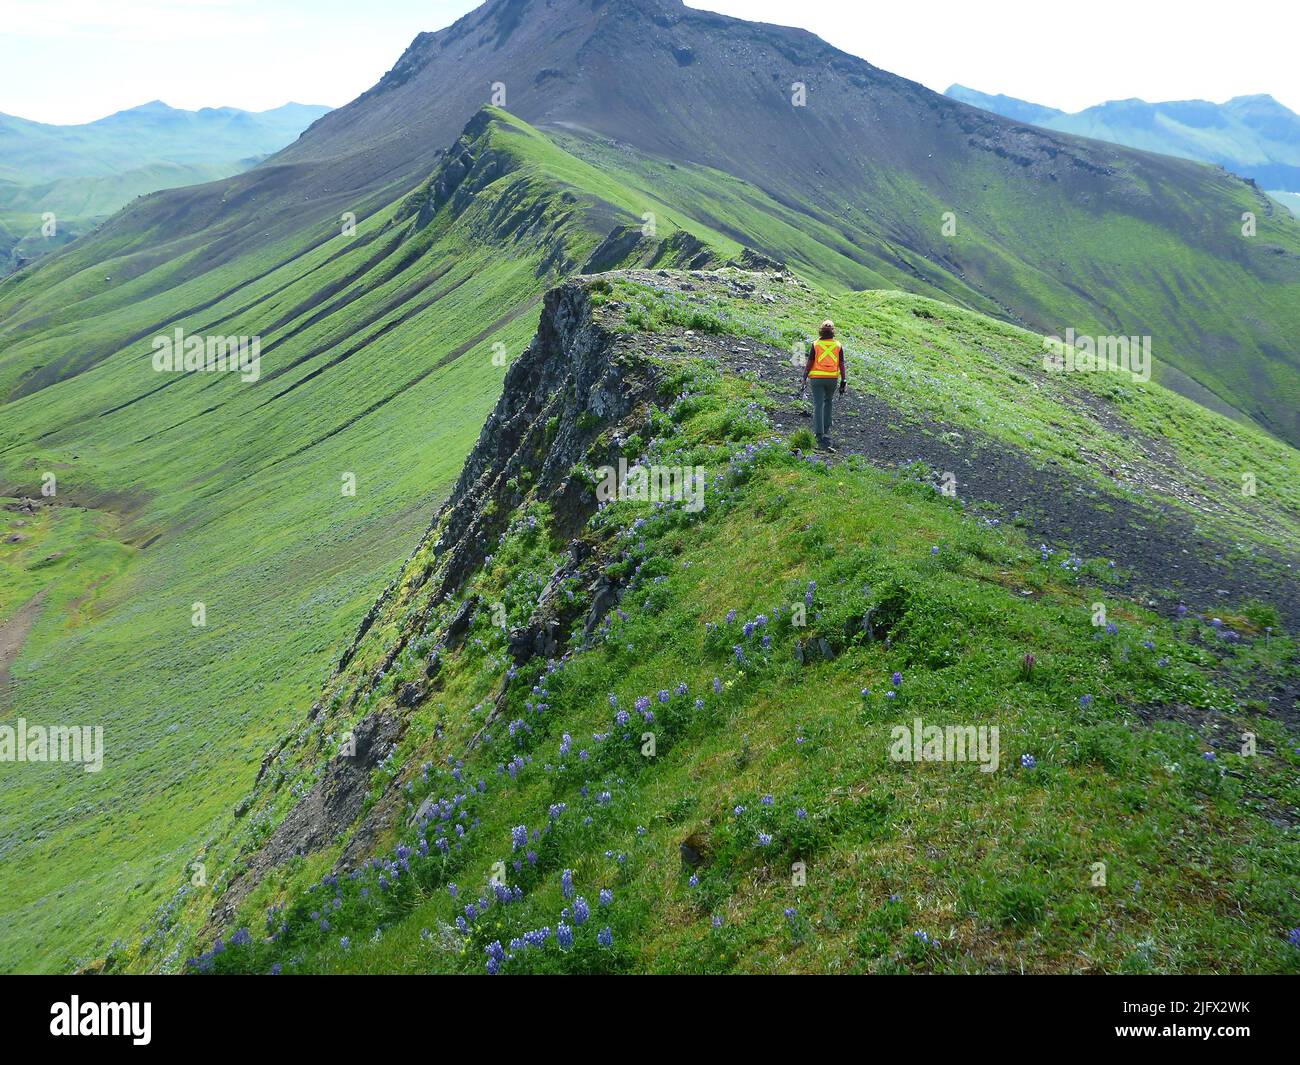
(939, 362)
(997, 869)
(223, 493)
(1182, 273)
(227, 494)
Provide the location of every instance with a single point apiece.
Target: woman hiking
(826, 362)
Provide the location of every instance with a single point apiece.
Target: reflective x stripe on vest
(826, 359)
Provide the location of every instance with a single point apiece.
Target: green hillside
(459, 312)
(707, 734)
(377, 361)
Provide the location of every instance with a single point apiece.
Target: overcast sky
(76, 60)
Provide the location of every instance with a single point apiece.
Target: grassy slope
(994, 261)
(204, 461)
(237, 496)
(941, 363)
(996, 868)
(79, 204)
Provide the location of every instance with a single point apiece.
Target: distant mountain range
(83, 173)
(1253, 136)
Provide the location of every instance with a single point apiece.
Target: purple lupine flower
(896, 680)
(764, 840)
(605, 937)
(694, 880)
(564, 936)
(606, 896)
(664, 695)
(566, 884)
(519, 836)
(717, 920)
(1028, 761)
(581, 911)
(1085, 701)
(791, 914)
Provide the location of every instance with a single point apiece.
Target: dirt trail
(13, 634)
(1170, 560)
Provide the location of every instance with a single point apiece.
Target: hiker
(825, 363)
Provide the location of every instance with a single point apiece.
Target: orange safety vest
(826, 359)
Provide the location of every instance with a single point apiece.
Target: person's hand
(843, 386)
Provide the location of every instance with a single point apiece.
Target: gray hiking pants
(823, 394)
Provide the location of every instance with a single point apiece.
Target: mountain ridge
(575, 585)
(391, 298)
(903, 158)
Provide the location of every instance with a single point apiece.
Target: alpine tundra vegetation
(494, 611)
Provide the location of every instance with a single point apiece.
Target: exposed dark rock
(694, 850)
(409, 695)
(327, 810)
(460, 622)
